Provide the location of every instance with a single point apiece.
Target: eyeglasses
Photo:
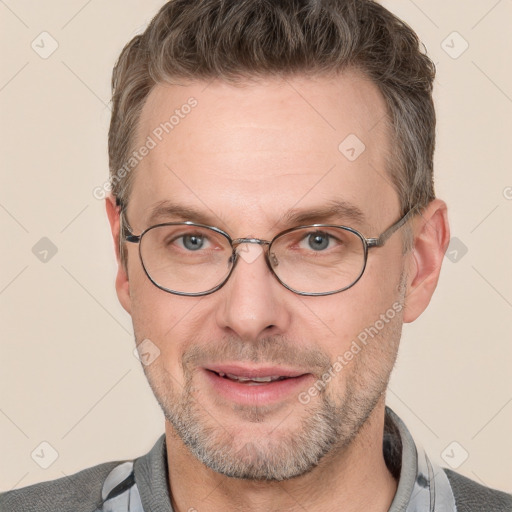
(187, 258)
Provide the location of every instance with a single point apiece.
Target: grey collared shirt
(142, 485)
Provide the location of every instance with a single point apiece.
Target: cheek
(154, 311)
(162, 318)
(335, 321)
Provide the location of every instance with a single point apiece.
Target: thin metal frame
(368, 243)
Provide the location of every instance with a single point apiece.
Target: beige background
(68, 373)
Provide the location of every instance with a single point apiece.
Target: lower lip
(257, 394)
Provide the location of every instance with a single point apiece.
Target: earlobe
(431, 233)
(122, 283)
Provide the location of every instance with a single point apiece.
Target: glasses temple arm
(125, 231)
(381, 240)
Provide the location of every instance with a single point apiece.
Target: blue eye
(192, 242)
(318, 241)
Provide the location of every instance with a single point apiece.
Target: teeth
(250, 379)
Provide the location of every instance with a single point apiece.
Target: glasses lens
(318, 259)
(185, 258)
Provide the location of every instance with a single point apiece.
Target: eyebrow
(165, 210)
(333, 211)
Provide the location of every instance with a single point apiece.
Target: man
(275, 225)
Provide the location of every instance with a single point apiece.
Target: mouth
(251, 381)
(253, 385)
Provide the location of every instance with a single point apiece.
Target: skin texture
(244, 158)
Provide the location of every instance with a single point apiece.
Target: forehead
(256, 150)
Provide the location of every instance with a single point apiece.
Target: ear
(431, 233)
(122, 283)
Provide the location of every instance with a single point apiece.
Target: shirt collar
(422, 484)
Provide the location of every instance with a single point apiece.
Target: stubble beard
(327, 425)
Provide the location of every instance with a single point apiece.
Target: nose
(254, 303)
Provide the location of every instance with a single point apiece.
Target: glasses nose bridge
(238, 241)
(258, 241)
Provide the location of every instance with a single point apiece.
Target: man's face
(248, 159)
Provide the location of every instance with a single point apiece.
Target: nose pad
(273, 259)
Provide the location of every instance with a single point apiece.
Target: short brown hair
(235, 40)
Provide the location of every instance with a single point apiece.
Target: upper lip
(254, 371)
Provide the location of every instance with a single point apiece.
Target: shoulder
(80, 492)
(470, 496)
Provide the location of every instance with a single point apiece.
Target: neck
(350, 478)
